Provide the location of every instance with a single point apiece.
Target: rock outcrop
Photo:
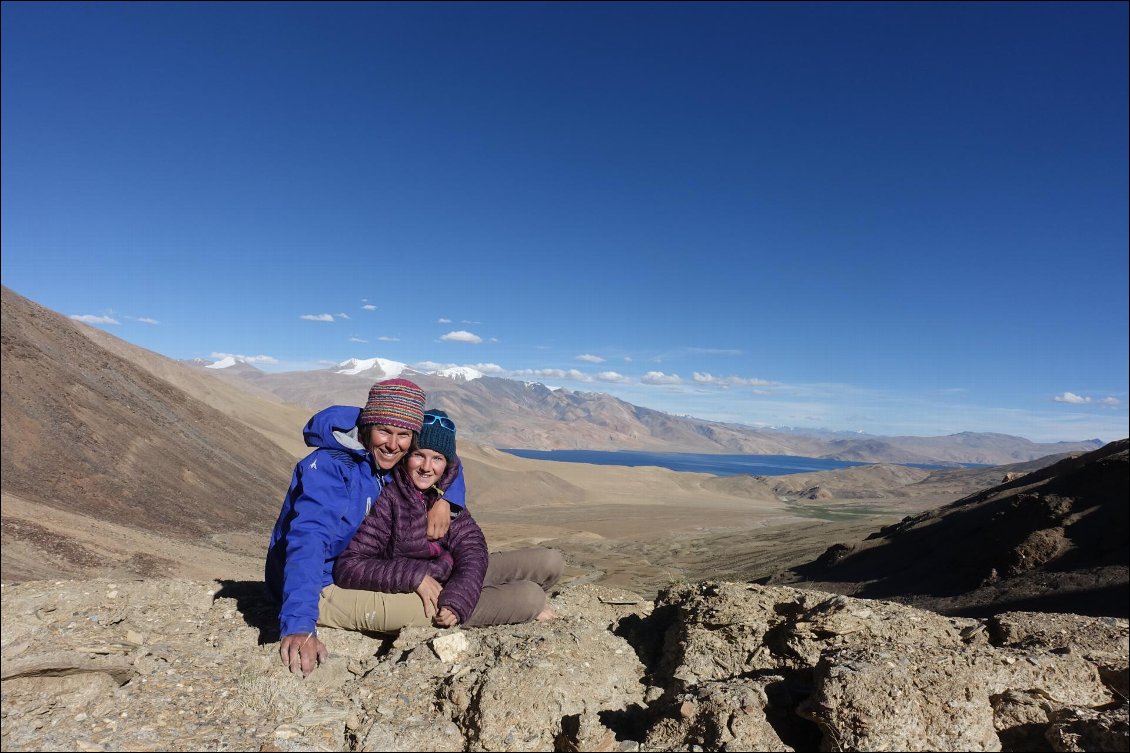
(178, 665)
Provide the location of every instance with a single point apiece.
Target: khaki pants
(513, 591)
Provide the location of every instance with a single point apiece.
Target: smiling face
(425, 468)
(388, 444)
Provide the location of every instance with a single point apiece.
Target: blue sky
(897, 219)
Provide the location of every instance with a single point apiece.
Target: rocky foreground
(176, 665)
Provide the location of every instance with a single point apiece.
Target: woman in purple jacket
(457, 581)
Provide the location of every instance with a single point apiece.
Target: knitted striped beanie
(394, 402)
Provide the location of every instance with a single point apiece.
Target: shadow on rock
(254, 602)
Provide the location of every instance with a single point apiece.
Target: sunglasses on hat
(446, 423)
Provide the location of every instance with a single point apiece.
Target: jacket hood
(334, 428)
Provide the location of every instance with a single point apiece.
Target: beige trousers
(513, 591)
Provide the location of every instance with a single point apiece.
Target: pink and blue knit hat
(394, 402)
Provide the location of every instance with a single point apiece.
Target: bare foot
(545, 615)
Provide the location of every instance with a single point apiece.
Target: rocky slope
(178, 665)
(1054, 539)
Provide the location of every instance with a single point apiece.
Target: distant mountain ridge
(509, 413)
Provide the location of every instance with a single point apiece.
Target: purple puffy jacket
(390, 552)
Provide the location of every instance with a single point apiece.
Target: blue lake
(720, 465)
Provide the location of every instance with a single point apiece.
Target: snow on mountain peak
(391, 369)
(223, 363)
(395, 369)
(460, 373)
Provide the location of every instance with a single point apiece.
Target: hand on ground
(302, 652)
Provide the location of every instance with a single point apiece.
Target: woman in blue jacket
(331, 491)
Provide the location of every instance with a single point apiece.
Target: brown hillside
(260, 410)
(87, 431)
(1053, 540)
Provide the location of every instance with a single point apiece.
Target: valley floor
(641, 547)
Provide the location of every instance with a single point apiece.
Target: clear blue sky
(891, 218)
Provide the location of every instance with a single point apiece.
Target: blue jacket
(330, 493)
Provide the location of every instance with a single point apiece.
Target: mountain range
(529, 415)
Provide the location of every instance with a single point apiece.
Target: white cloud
(486, 368)
(462, 336)
(343, 316)
(613, 376)
(94, 319)
(357, 340)
(571, 374)
(387, 339)
(147, 320)
(658, 377)
(468, 321)
(443, 320)
(1111, 401)
(1071, 397)
(369, 307)
(246, 359)
(317, 317)
(590, 358)
(728, 381)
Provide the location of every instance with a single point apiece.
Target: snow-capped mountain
(460, 373)
(224, 363)
(382, 368)
(394, 369)
(390, 369)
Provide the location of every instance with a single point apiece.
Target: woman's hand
(447, 618)
(439, 519)
(429, 591)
